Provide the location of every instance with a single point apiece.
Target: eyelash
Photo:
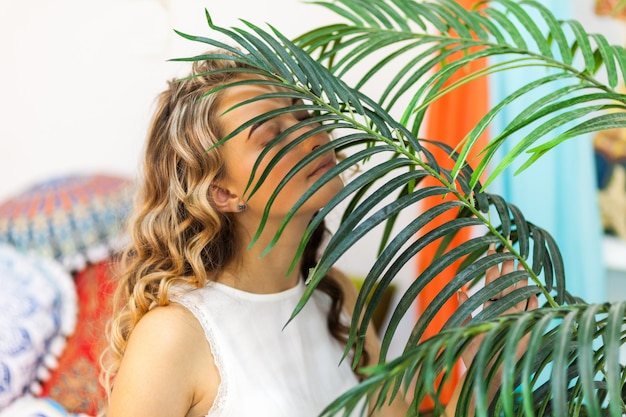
(300, 116)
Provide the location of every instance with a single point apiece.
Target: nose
(313, 141)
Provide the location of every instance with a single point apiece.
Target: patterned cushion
(39, 309)
(74, 219)
(29, 406)
(74, 383)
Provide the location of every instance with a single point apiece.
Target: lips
(325, 165)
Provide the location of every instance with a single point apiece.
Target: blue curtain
(559, 192)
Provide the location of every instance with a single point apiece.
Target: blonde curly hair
(177, 235)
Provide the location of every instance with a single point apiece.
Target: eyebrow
(260, 122)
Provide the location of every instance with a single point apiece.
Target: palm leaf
(508, 20)
(313, 67)
(551, 332)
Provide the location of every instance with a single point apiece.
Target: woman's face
(242, 150)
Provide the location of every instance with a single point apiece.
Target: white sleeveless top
(267, 370)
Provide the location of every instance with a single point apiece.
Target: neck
(269, 273)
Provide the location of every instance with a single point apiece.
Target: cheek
(294, 188)
(238, 167)
(280, 170)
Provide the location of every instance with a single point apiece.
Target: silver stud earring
(242, 207)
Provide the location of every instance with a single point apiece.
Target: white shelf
(614, 250)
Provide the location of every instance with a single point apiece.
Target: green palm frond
(420, 61)
(569, 366)
(418, 67)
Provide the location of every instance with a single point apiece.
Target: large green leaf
(413, 50)
(509, 24)
(550, 332)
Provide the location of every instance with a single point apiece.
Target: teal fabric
(559, 192)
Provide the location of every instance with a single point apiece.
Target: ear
(224, 200)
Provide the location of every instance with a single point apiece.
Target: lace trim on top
(220, 399)
(295, 291)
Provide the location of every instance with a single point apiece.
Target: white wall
(79, 76)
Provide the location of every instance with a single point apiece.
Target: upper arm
(158, 375)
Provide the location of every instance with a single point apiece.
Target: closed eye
(256, 126)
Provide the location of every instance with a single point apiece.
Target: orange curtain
(449, 119)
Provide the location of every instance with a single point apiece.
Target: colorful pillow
(29, 406)
(74, 219)
(74, 383)
(39, 309)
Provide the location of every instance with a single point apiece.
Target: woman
(199, 325)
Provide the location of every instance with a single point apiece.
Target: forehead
(232, 96)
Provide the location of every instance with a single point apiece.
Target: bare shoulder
(173, 318)
(167, 364)
(166, 330)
